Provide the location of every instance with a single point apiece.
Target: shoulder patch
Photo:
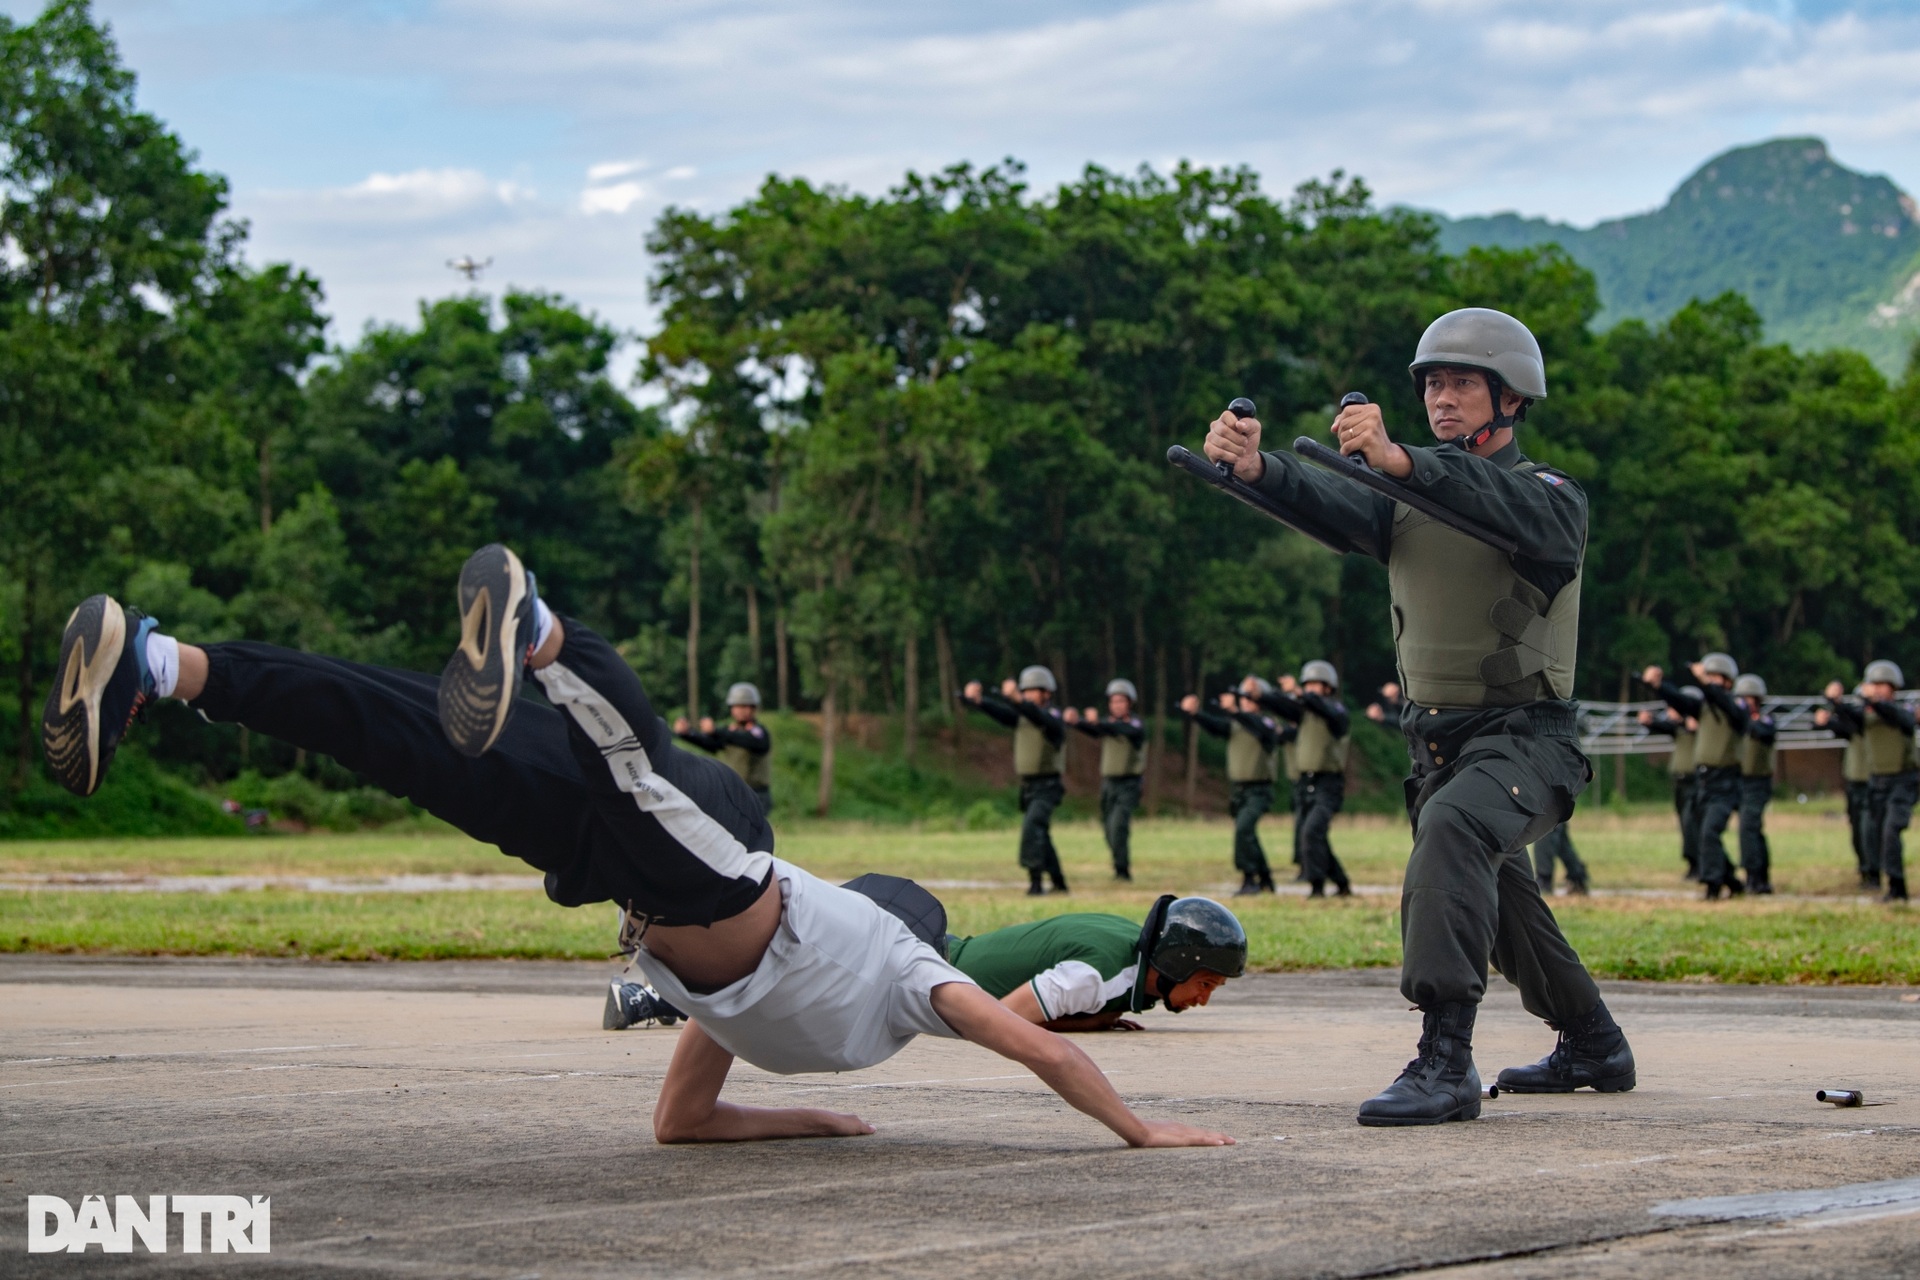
(1551, 478)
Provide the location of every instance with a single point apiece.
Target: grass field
(1821, 932)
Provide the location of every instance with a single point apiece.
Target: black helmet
(1186, 935)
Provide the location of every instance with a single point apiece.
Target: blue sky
(370, 141)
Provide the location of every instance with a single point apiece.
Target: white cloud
(428, 193)
(618, 198)
(611, 169)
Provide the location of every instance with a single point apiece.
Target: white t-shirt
(843, 985)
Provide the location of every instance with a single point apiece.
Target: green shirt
(1076, 964)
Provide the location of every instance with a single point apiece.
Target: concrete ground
(472, 1120)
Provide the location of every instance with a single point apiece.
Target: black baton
(1221, 477)
(1355, 468)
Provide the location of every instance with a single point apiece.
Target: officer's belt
(1434, 746)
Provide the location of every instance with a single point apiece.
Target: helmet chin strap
(1473, 440)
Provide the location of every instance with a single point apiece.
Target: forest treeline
(890, 443)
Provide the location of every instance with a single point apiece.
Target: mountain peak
(1827, 254)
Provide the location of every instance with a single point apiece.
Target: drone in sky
(467, 267)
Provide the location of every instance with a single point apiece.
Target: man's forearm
(731, 1122)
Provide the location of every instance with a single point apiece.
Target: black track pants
(597, 797)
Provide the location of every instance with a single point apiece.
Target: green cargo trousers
(1469, 893)
(1040, 795)
(1246, 802)
(1119, 797)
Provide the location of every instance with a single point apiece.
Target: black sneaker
(496, 638)
(634, 1004)
(102, 682)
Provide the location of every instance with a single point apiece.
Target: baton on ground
(1355, 468)
(1221, 477)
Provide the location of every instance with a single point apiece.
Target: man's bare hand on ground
(1169, 1133)
(1063, 1066)
(1236, 440)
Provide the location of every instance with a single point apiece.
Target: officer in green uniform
(1895, 784)
(1252, 742)
(1085, 972)
(1557, 846)
(1716, 758)
(1756, 783)
(1485, 644)
(1123, 758)
(1026, 707)
(743, 744)
(1318, 759)
(1843, 715)
(1683, 730)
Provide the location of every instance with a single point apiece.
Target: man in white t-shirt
(774, 965)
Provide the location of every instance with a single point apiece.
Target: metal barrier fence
(1614, 728)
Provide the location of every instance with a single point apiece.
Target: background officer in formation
(1123, 759)
(1842, 715)
(742, 744)
(1087, 972)
(1318, 754)
(1756, 783)
(1485, 643)
(1716, 755)
(1026, 707)
(1557, 846)
(1895, 782)
(1252, 741)
(1680, 763)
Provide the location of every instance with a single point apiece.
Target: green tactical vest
(1889, 749)
(1247, 760)
(1853, 761)
(1718, 745)
(1756, 758)
(1120, 758)
(757, 770)
(1033, 755)
(1680, 763)
(1468, 630)
(1290, 759)
(1317, 750)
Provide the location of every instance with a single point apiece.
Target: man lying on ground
(774, 965)
(1084, 971)
(1087, 970)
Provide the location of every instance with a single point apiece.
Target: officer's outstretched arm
(689, 1108)
(1545, 512)
(1067, 1070)
(1362, 516)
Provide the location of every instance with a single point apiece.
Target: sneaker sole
(90, 651)
(614, 1016)
(1469, 1111)
(477, 687)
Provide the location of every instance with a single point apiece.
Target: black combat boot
(1266, 882)
(1060, 882)
(1035, 887)
(1579, 888)
(1249, 885)
(1592, 1053)
(1439, 1085)
(1896, 889)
